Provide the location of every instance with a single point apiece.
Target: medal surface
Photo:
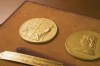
(38, 30)
(84, 45)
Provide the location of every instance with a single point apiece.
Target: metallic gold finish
(27, 59)
(84, 45)
(38, 30)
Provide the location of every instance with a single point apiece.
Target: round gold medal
(38, 30)
(84, 45)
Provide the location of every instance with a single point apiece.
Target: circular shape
(84, 45)
(38, 30)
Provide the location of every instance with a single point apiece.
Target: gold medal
(38, 30)
(84, 45)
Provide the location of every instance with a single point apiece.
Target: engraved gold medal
(84, 45)
(38, 30)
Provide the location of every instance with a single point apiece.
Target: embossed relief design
(31, 31)
(40, 35)
(88, 44)
(31, 28)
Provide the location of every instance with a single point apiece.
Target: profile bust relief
(88, 44)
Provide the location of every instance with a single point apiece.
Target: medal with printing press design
(38, 30)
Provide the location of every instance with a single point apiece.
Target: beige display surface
(66, 22)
